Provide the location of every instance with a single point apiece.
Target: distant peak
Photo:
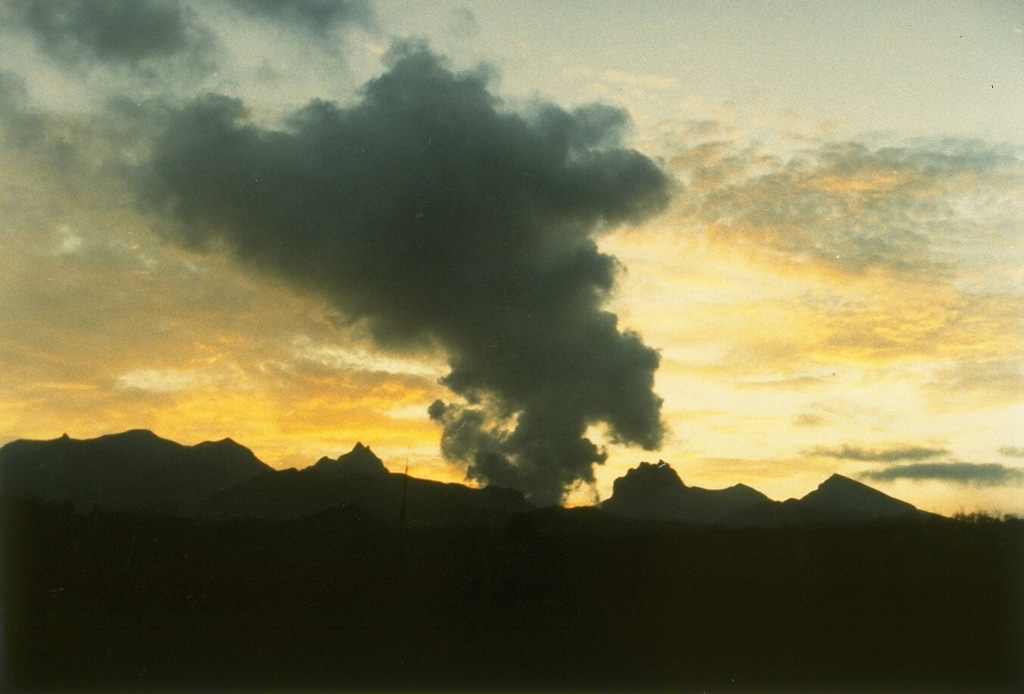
(837, 481)
(842, 494)
(648, 476)
(360, 460)
(661, 465)
(747, 490)
(361, 449)
(226, 446)
(224, 443)
(133, 436)
(138, 433)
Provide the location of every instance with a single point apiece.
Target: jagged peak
(359, 460)
(647, 478)
(646, 468)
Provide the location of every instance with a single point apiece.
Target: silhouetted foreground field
(557, 600)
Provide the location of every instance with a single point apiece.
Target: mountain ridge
(137, 470)
(839, 500)
(133, 470)
(655, 492)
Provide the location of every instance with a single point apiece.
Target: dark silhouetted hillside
(360, 478)
(655, 492)
(837, 501)
(119, 575)
(140, 471)
(559, 600)
(360, 460)
(135, 470)
(842, 497)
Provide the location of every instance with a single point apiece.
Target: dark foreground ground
(553, 601)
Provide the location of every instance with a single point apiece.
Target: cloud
(463, 23)
(110, 31)
(886, 455)
(788, 383)
(843, 254)
(851, 207)
(974, 474)
(1012, 451)
(360, 359)
(20, 125)
(806, 419)
(159, 380)
(317, 15)
(433, 216)
(980, 383)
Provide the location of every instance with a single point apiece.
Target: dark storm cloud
(975, 474)
(114, 31)
(888, 455)
(317, 15)
(431, 214)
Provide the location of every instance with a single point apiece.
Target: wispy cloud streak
(885, 455)
(973, 474)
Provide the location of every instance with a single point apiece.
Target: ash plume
(431, 213)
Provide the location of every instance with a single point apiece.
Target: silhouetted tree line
(557, 600)
(982, 518)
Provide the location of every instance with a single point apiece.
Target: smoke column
(430, 213)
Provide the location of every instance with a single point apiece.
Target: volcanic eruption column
(432, 214)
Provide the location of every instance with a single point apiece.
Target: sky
(525, 243)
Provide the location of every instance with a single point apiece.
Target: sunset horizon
(526, 246)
